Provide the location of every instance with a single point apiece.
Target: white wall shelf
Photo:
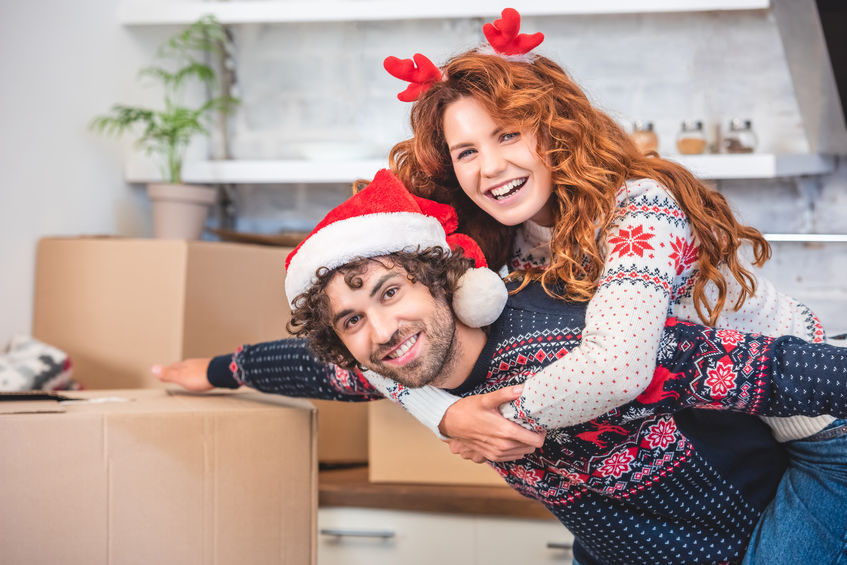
(806, 237)
(755, 165)
(710, 167)
(261, 172)
(159, 12)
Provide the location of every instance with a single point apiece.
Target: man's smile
(399, 353)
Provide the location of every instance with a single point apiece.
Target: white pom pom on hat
(385, 218)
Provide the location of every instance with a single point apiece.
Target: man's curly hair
(437, 269)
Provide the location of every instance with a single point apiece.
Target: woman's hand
(478, 431)
(190, 374)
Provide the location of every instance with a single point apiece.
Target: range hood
(813, 37)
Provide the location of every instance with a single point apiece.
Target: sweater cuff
(427, 404)
(218, 373)
(792, 428)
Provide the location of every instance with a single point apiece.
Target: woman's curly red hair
(591, 157)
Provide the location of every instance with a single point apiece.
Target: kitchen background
(318, 91)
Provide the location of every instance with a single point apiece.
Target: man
(635, 485)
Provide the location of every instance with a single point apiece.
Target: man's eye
(351, 321)
(390, 292)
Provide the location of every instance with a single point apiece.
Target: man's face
(393, 326)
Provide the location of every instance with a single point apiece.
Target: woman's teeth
(400, 351)
(507, 189)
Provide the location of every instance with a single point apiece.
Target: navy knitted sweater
(649, 482)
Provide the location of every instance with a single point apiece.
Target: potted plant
(179, 210)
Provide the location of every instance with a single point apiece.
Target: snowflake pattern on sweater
(649, 274)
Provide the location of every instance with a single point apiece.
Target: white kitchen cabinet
(369, 536)
(366, 536)
(511, 540)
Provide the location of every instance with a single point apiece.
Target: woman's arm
(649, 245)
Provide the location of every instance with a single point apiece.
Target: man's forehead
(372, 273)
(366, 270)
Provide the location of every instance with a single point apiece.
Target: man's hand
(478, 431)
(190, 374)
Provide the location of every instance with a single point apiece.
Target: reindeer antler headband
(505, 40)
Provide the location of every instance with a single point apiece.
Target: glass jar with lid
(691, 139)
(644, 137)
(740, 138)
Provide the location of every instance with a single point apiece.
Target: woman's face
(498, 168)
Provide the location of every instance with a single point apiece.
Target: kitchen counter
(350, 487)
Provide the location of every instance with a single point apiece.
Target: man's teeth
(403, 348)
(507, 189)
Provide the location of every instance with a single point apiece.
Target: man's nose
(383, 326)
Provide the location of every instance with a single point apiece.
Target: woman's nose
(493, 162)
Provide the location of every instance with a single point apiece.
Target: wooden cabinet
(366, 536)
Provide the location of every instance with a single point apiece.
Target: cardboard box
(402, 450)
(148, 476)
(117, 306)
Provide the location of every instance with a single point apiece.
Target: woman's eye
(464, 154)
(510, 136)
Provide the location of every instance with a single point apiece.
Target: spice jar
(644, 137)
(691, 139)
(740, 138)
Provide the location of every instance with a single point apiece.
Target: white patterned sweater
(648, 276)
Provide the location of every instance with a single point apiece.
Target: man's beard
(433, 365)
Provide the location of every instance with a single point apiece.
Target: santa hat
(384, 218)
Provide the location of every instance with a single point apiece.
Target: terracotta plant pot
(180, 210)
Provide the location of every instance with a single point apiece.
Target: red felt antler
(504, 37)
(421, 74)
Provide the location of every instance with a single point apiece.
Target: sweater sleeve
(289, 367)
(703, 367)
(649, 243)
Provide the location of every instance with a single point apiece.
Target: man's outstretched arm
(286, 367)
(705, 367)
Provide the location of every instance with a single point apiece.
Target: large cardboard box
(117, 306)
(147, 476)
(402, 450)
